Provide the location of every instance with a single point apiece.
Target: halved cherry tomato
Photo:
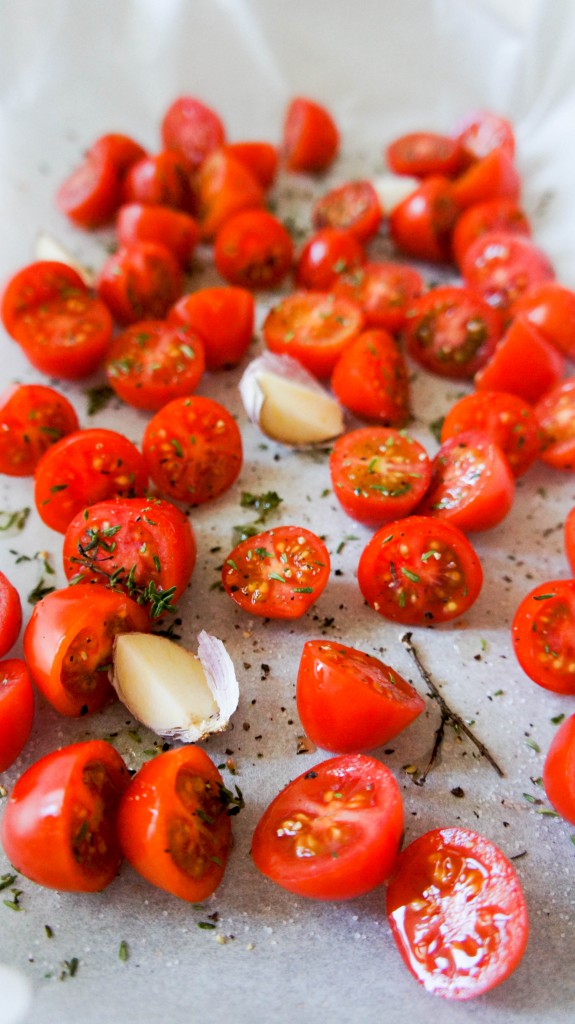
(153, 362)
(145, 547)
(482, 131)
(569, 537)
(312, 327)
(452, 331)
(523, 363)
(544, 635)
(371, 379)
(378, 474)
(261, 158)
(140, 282)
(457, 913)
(509, 421)
(353, 206)
(419, 571)
(421, 224)
(333, 833)
(551, 308)
(10, 615)
(192, 128)
(384, 291)
(559, 771)
(253, 250)
(173, 823)
(224, 319)
(36, 285)
(471, 483)
(59, 826)
(423, 153)
(501, 266)
(224, 186)
(495, 176)
(310, 137)
(349, 701)
(68, 644)
(489, 215)
(91, 194)
(193, 449)
(16, 710)
(32, 418)
(162, 179)
(277, 574)
(556, 414)
(178, 231)
(85, 467)
(327, 254)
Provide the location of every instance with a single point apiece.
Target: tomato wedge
(10, 615)
(559, 770)
(523, 345)
(192, 128)
(556, 414)
(312, 327)
(421, 224)
(224, 319)
(371, 379)
(543, 632)
(551, 308)
(501, 266)
(16, 710)
(310, 137)
(509, 421)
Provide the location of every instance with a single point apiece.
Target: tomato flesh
(383, 290)
(452, 332)
(556, 414)
(16, 710)
(353, 207)
(312, 327)
(10, 614)
(153, 362)
(32, 418)
(509, 421)
(543, 633)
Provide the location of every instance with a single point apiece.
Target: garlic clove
(175, 693)
(48, 248)
(392, 189)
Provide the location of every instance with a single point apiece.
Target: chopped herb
(6, 881)
(231, 563)
(123, 950)
(302, 590)
(177, 447)
(534, 746)
(410, 575)
(243, 532)
(233, 802)
(542, 597)
(435, 428)
(39, 591)
(277, 576)
(70, 968)
(557, 719)
(263, 503)
(98, 398)
(207, 925)
(13, 520)
(49, 932)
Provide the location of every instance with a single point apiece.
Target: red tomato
(509, 421)
(138, 222)
(193, 449)
(569, 536)
(326, 255)
(91, 194)
(370, 379)
(501, 266)
(173, 823)
(348, 701)
(253, 250)
(482, 131)
(543, 633)
(353, 206)
(457, 913)
(523, 363)
(481, 218)
(223, 318)
(312, 327)
(10, 615)
(59, 826)
(192, 128)
(37, 285)
(333, 833)
(421, 224)
(423, 153)
(153, 361)
(223, 187)
(16, 710)
(551, 308)
(378, 474)
(83, 468)
(471, 483)
(162, 179)
(145, 547)
(68, 644)
(384, 291)
(261, 158)
(556, 414)
(310, 138)
(559, 771)
(32, 418)
(452, 332)
(277, 574)
(419, 571)
(140, 282)
(495, 176)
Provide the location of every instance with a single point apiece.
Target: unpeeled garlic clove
(392, 189)
(48, 248)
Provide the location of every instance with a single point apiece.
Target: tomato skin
(160, 829)
(349, 701)
(452, 332)
(495, 176)
(441, 587)
(193, 449)
(556, 414)
(569, 539)
(32, 417)
(70, 623)
(483, 217)
(523, 363)
(223, 317)
(542, 631)
(161, 179)
(192, 128)
(91, 194)
(348, 845)
(277, 574)
(35, 285)
(223, 187)
(423, 153)
(482, 131)
(152, 362)
(140, 282)
(501, 266)
(66, 803)
(177, 230)
(312, 327)
(16, 710)
(253, 250)
(353, 207)
(85, 467)
(551, 308)
(384, 291)
(327, 254)
(10, 615)
(310, 137)
(261, 158)
(371, 379)
(559, 771)
(378, 474)
(421, 224)
(453, 890)
(471, 483)
(509, 421)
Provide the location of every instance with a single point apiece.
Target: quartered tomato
(68, 644)
(223, 187)
(327, 254)
(559, 770)
(85, 467)
(551, 308)
(384, 291)
(59, 826)
(162, 179)
(16, 710)
(193, 449)
(10, 615)
(349, 701)
(371, 379)
(192, 128)
(457, 913)
(353, 207)
(261, 158)
(509, 421)
(421, 224)
(556, 414)
(173, 823)
(140, 222)
(140, 282)
(378, 474)
(544, 635)
(333, 833)
(153, 362)
(419, 571)
(488, 215)
(482, 131)
(32, 418)
(501, 266)
(277, 574)
(523, 363)
(224, 319)
(310, 137)
(312, 327)
(253, 250)
(452, 332)
(423, 153)
(495, 176)
(91, 194)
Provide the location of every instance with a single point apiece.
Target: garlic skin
(48, 248)
(287, 403)
(175, 693)
(392, 189)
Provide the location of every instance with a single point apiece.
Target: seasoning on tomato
(502, 265)
(277, 574)
(161, 179)
(223, 318)
(152, 362)
(509, 421)
(141, 222)
(59, 825)
(384, 291)
(543, 632)
(327, 254)
(523, 363)
(349, 701)
(10, 615)
(310, 137)
(91, 194)
(569, 539)
(192, 128)
(559, 770)
(334, 832)
(140, 282)
(452, 332)
(253, 249)
(16, 710)
(419, 571)
(32, 418)
(223, 186)
(489, 215)
(421, 224)
(354, 206)
(556, 414)
(423, 153)
(312, 327)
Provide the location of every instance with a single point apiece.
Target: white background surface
(70, 71)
